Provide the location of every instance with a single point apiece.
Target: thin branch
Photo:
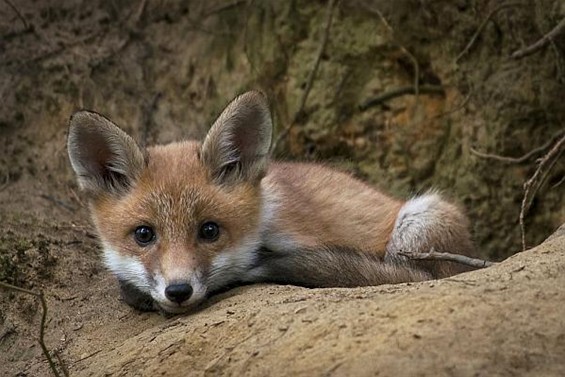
(147, 113)
(56, 51)
(88, 356)
(559, 63)
(456, 108)
(18, 289)
(411, 56)
(139, 12)
(541, 43)
(559, 182)
(517, 160)
(386, 96)
(312, 75)
(58, 202)
(534, 183)
(314, 71)
(62, 364)
(482, 26)
(223, 8)
(42, 325)
(457, 258)
(20, 16)
(6, 182)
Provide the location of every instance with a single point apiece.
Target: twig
(482, 26)
(559, 182)
(541, 43)
(245, 44)
(20, 16)
(314, 70)
(62, 364)
(517, 160)
(42, 325)
(147, 114)
(223, 8)
(411, 56)
(139, 13)
(458, 258)
(312, 75)
(559, 63)
(56, 51)
(6, 182)
(456, 108)
(535, 182)
(88, 356)
(381, 98)
(7, 332)
(58, 202)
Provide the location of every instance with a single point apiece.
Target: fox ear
(237, 146)
(104, 158)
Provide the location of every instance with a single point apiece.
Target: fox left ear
(237, 146)
(104, 158)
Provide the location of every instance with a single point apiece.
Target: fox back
(180, 221)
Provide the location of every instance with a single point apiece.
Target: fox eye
(209, 231)
(144, 235)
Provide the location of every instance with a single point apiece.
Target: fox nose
(178, 292)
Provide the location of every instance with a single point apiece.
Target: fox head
(175, 221)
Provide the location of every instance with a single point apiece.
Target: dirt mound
(505, 320)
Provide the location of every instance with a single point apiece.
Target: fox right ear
(104, 158)
(237, 145)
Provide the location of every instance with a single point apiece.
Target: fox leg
(135, 298)
(330, 266)
(428, 222)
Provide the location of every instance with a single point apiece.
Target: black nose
(178, 292)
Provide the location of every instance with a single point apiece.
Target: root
(41, 328)
(387, 96)
(482, 26)
(533, 184)
(310, 81)
(517, 160)
(544, 41)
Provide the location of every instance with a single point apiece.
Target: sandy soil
(505, 320)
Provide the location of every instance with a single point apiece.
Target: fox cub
(180, 221)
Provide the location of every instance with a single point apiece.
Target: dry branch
(41, 327)
(62, 364)
(457, 258)
(5, 183)
(312, 75)
(534, 183)
(18, 13)
(386, 96)
(517, 160)
(58, 202)
(147, 111)
(403, 49)
(541, 43)
(455, 109)
(223, 7)
(139, 13)
(482, 26)
(559, 182)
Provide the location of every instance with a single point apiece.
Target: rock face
(506, 320)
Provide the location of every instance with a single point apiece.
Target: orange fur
(320, 206)
(281, 222)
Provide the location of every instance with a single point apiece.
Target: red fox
(178, 222)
